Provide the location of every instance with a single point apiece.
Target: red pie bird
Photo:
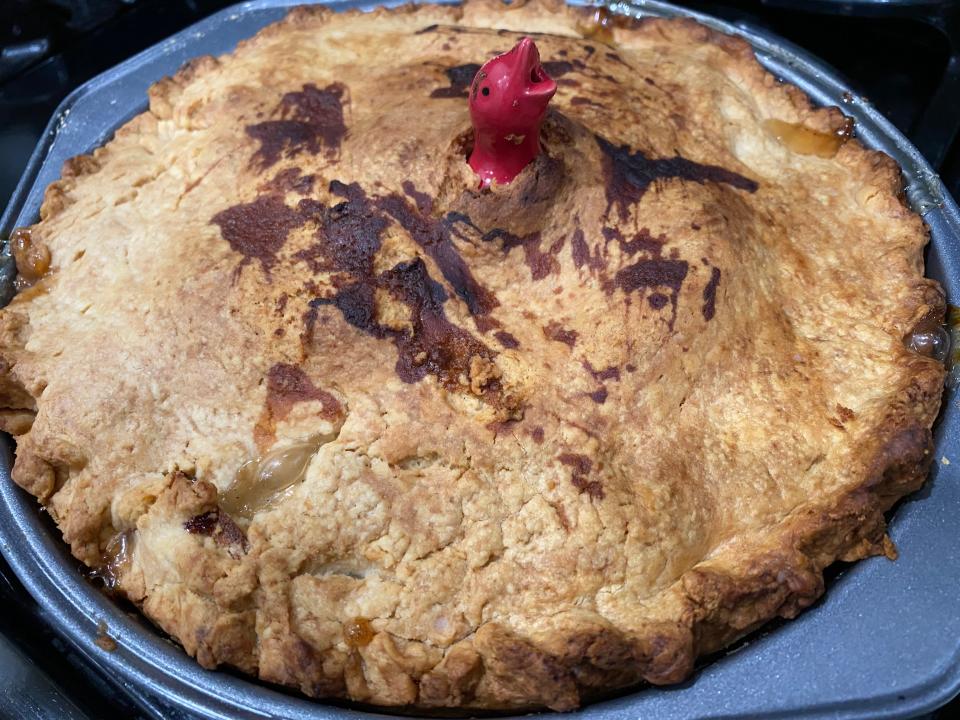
(508, 99)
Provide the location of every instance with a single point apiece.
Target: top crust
(565, 436)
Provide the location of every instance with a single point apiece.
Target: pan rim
(43, 564)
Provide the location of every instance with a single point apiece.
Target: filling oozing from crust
(32, 258)
(261, 480)
(809, 142)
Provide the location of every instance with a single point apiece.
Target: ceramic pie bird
(508, 99)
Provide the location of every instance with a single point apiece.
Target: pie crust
(559, 438)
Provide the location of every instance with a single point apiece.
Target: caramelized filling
(32, 258)
(805, 141)
(116, 559)
(259, 481)
(930, 339)
(357, 632)
(953, 360)
(103, 639)
(599, 27)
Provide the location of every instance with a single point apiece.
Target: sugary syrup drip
(259, 481)
(933, 344)
(116, 559)
(32, 258)
(600, 26)
(804, 141)
(357, 632)
(930, 339)
(103, 639)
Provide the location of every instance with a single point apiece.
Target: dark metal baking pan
(885, 641)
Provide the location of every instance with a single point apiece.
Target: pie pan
(885, 642)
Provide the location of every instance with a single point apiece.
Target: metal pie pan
(884, 642)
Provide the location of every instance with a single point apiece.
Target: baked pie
(331, 413)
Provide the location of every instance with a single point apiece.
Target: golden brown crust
(624, 412)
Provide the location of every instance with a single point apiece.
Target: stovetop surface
(905, 60)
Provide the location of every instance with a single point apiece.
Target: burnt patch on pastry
(629, 174)
(290, 180)
(423, 201)
(657, 300)
(348, 238)
(844, 414)
(436, 238)
(581, 466)
(310, 120)
(202, 524)
(561, 516)
(349, 233)
(433, 345)
(579, 100)
(556, 69)
(459, 77)
(288, 385)
(507, 340)
(579, 250)
(590, 72)
(556, 332)
(641, 241)
(257, 230)
(611, 372)
(710, 294)
(500, 427)
(221, 527)
(599, 395)
(542, 263)
(549, 171)
(654, 274)
(581, 254)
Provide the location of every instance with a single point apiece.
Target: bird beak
(536, 82)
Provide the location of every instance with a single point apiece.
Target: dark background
(894, 58)
(901, 59)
